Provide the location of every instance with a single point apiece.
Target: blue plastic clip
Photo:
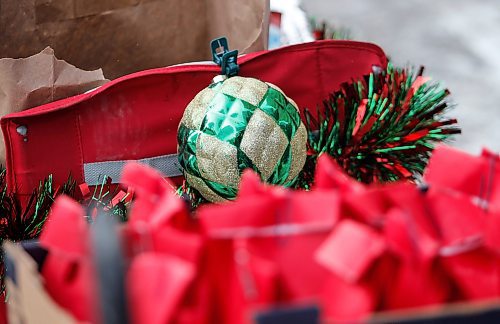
(225, 58)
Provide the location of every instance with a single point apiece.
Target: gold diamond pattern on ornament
(203, 189)
(299, 152)
(217, 160)
(246, 89)
(195, 112)
(264, 142)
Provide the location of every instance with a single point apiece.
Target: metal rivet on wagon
(22, 130)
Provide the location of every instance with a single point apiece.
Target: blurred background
(458, 42)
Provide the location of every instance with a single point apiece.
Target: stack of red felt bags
(351, 249)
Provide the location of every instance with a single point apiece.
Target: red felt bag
(478, 177)
(136, 117)
(265, 255)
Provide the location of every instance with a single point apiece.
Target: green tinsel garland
(381, 128)
(19, 223)
(22, 222)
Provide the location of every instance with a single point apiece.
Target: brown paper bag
(39, 79)
(28, 302)
(124, 36)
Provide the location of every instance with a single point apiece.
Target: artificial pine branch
(107, 199)
(21, 222)
(18, 223)
(380, 128)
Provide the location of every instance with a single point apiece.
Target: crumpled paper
(28, 298)
(125, 36)
(29, 82)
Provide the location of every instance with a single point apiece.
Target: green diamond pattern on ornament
(236, 124)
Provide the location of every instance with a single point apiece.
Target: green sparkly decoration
(20, 222)
(106, 200)
(236, 124)
(381, 128)
(24, 221)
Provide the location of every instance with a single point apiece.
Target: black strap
(110, 270)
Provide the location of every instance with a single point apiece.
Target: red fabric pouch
(475, 176)
(265, 255)
(136, 117)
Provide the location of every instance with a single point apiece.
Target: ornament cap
(219, 78)
(225, 58)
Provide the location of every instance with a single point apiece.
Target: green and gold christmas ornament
(238, 123)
